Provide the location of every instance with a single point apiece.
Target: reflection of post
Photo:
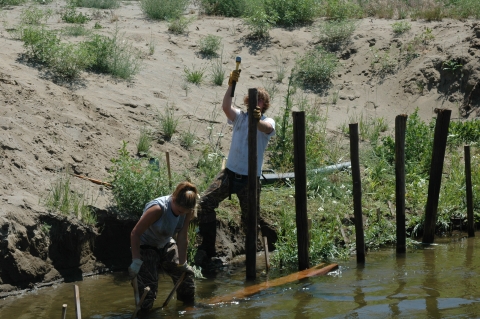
(430, 284)
(468, 185)
(400, 278)
(359, 295)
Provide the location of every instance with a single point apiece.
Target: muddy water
(439, 281)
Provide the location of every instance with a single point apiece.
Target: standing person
(234, 178)
(153, 246)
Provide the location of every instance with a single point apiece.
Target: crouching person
(153, 248)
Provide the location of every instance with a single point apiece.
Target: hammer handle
(234, 84)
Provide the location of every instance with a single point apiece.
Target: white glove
(134, 267)
(186, 268)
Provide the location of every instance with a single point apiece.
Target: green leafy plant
(163, 9)
(70, 15)
(209, 45)
(99, 4)
(227, 8)
(194, 75)
(114, 56)
(260, 23)
(451, 65)
(315, 68)
(135, 182)
(35, 16)
(336, 31)
(70, 59)
(179, 25)
(75, 30)
(292, 12)
(401, 27)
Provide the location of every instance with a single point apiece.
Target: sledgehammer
(238, 60)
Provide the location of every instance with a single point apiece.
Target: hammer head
(238, 59)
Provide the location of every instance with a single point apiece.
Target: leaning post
(357, 193)
(400, 127)
(251, 239)
(299, 160)
(438, 157)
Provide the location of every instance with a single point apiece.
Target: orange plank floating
(251, 290)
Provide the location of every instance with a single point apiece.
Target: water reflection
(430, 282)
(438, 281)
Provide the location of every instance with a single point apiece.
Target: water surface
(438, 281)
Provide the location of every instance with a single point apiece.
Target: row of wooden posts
(302, 221)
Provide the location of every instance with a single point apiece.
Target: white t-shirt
(238, 155)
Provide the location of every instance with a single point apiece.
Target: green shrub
(227, 8)
(179, 25)
(99, 4)
(11, 2)
(70, 15)
(70, 59)
(336, 31)
(400, 27)
(315, 68)
(75, 30)
(163, 9)
(260, 23)
(114, 56)
(209, 45)
(292, 12)
(341, 10)
(35, 16)
(39, 42)
(135, 182)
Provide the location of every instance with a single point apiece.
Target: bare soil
(47, 124)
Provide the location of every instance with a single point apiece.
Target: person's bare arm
(264, 127)
(147, 219)
(227, 105)
(182, 240)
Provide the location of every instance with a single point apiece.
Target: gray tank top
(162, 231)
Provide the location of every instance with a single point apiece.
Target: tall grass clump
(99, 4)
(315, 69)
(194, 75)
(144, 142)
(163, 9)
(209, 45)
(135, 182)
(168, 121)
(62, 198)
(218, 71)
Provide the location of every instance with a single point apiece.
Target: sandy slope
(47, 125)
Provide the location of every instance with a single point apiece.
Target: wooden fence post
(167, 155)
(400, 127)
(251, 239)
(438, 157)
(468, 182)
(64, 311)
(357, 193)
(299, 159)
